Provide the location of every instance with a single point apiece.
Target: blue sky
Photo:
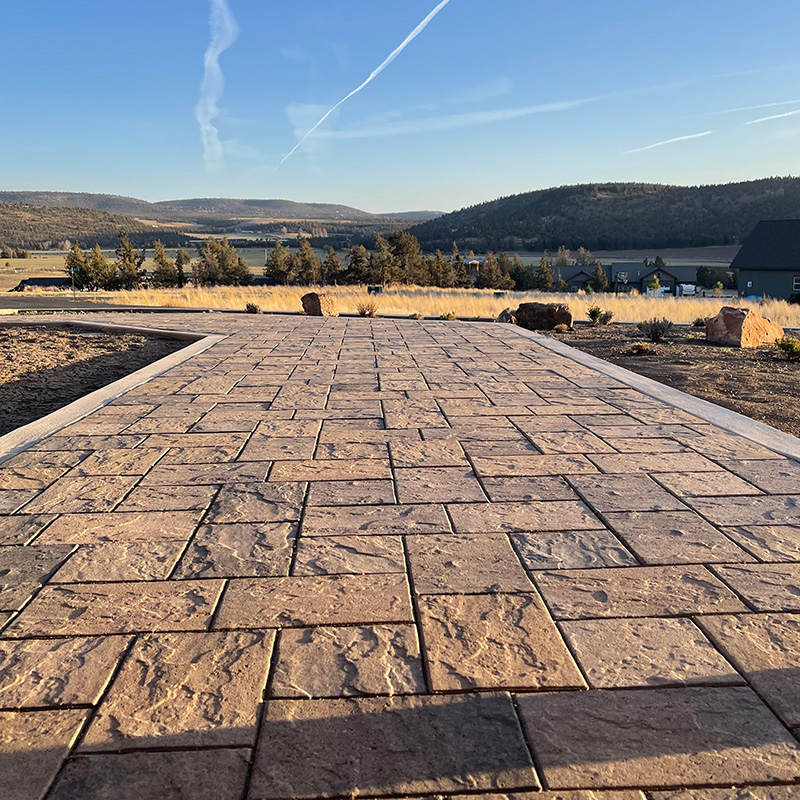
(490, 99)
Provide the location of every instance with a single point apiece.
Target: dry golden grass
(464, 303)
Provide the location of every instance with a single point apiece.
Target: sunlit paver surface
(329, 558)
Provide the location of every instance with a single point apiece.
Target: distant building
(629, 275)
(769, 261)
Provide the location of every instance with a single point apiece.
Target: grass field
(432, 302)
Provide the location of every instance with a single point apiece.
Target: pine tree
(277, 264)
(599, 280)
(234, 270)
(182, 262)
(207, 272)
(76, 266)
(461, 279)
(129, 264)
(385, 268)
(331, 269)
(357, 265)
(165, 273)
(442, 272)
(408, 256)
(309, 264)
(102, 273)
(490, 276)
(543, 277)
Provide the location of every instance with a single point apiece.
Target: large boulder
(319, 305)
(543, 316)
(742, 327)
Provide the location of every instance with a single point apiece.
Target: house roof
(637, 271)
(774, 244)
(42, 282)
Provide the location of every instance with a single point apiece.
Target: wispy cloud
(669, 141)
(393, 55)
(755, 108)
(774, 116)
(446, 122)
(224, 32)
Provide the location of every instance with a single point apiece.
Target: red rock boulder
(742, 327)
(319, 305)
(543, 316)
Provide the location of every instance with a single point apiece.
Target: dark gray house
(769, 261)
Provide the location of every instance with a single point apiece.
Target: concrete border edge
(28, 435)
(732, 421)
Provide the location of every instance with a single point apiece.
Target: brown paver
(389, 746)
(239, 551)
(348, 661)
(190, 689)
(179, 775)
(458, 564)
(657, 738)
(121, 561)
(314, 600)
(131, 526)
(622, 653)
(572, 550)
(635, 592)
(33, 745)
(374, 520)
(764, 648)
(766, 587)
(674, 537)
(354, 555)
(47, 673)
(494, 642)
(303, 550)
(24, 569)
(94, 609)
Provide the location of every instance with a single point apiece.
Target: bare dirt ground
(760, 383)
(43, 369)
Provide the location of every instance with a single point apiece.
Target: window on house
(796, 284)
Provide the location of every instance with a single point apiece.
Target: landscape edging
(28, 435)
(759, 432)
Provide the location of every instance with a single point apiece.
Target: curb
(22, 438)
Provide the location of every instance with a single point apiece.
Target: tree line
(400, 260)
(218, 264)
(13, 252)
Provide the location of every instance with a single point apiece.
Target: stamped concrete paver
(313, 560)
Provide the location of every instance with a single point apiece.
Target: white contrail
(406, 42)
(669, 141)
(754, 108)
(224, 32)
(775, 116)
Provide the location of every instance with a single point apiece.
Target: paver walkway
(337, 557)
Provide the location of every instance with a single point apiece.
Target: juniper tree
(129, 264)
(543, 277)
(165, 272)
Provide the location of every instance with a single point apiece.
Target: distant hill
(206, 209)
(36, 227)
(616, 216)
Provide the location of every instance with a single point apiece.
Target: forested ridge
(616, 216)
(39, 228)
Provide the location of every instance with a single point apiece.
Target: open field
(435, 302)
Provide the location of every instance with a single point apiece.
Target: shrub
(790, 346)
(562, 328)
(369, 308)
(252, 308)
(656, 330)
(450, 316)
(594, 312)
(416, 315)
(718, 290)
(640, 348)
(607, 317)
(700, 322)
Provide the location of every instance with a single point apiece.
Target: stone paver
(657, 738)
(313, 561)
(617, 653)
(494, 642)
(390, 746)
(348, 661)
(190, 689)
